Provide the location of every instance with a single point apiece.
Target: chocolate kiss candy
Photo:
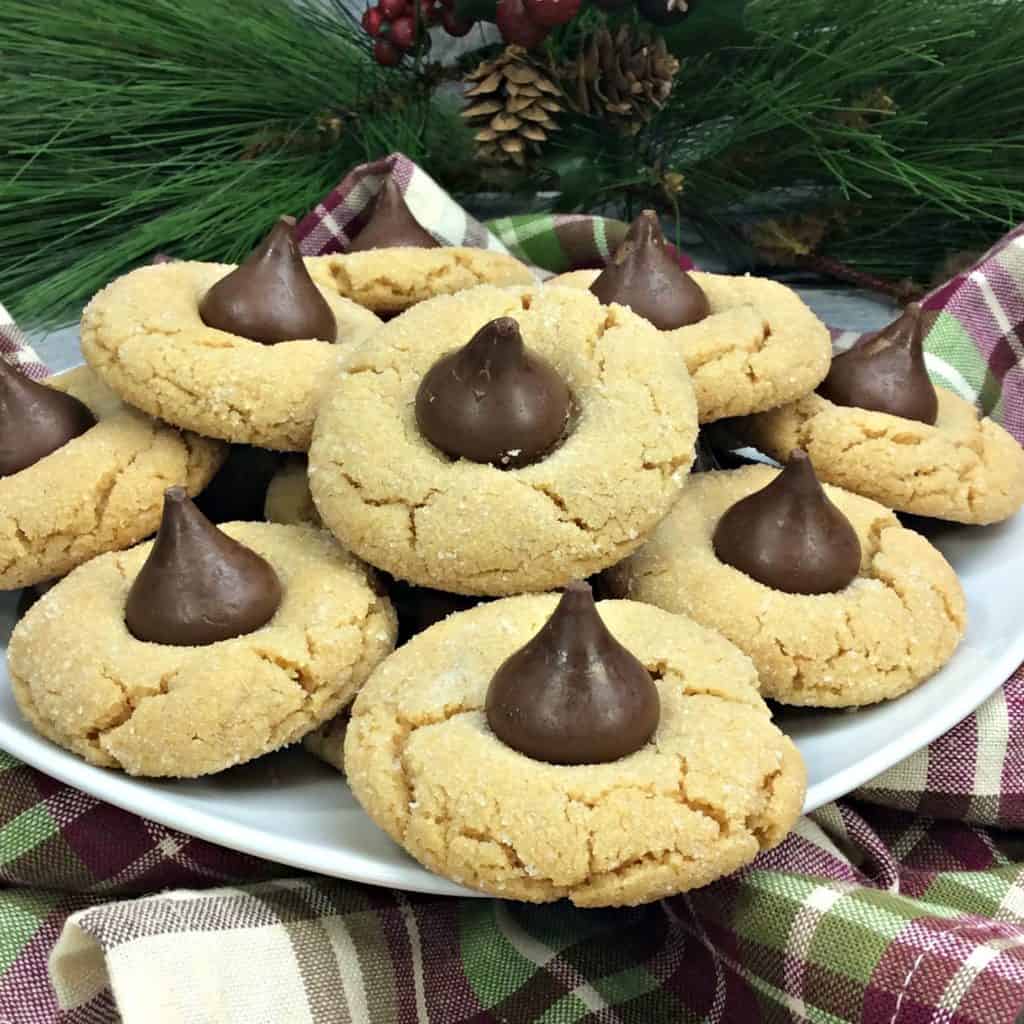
(391, 224)
(270, 297)
(573, 694)
(35, 420)
(644, 276)
(493, 400)
(886, 373)
(789, 535)
(198, 585)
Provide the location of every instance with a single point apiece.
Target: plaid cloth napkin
(901, 905)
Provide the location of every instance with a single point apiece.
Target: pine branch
(137, 125)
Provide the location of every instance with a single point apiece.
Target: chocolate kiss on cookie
(789, 536)
(493, 400)
(644, 276)
(270, 297)
(198, 585)
(573, 694)
(35, 420)
(391, 224)
(886, 373)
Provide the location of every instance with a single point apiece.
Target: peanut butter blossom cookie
(81, 474)
(201, 650)
(288, 498)
(542, 747)
(837, 604)
(393, 263)
(238, 353)
(749, 343)
(878, 426)
(390, 280)
(503, 440)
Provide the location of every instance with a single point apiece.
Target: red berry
(454, 25)
(516, 26)
(393, 9)
(386, 53)
(372, 20)
(552, 13)
(403, 32)
(429, 13)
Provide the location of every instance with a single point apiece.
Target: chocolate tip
(505, 326)
(176, 495)
(579, 587)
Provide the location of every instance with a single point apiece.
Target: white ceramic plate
(288, 807)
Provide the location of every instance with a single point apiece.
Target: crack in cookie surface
(760, 347)
(422, 761)
(143, 335)
(156, 710)
(461, 526)
(891, 628)
(961, 469)
(392, 280)
(104, 488)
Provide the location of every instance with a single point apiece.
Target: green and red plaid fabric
(902, 904)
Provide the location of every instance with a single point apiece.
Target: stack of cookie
(475, 442)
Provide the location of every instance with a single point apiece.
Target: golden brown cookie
(143, 335)
(760, 348)
(964, 469)
(896, 624)
(328, 741)
(82, 680)
(715, 784)
(391, 280)
(101, 491)
(471, 528)
(288, 498)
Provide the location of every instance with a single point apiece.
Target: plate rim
(121, 791)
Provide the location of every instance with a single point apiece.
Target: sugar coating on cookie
(759, 348)
(391, 280)
(963, 469)
(144, 336)
(717, 783)
(896, 624)
(466, 527)
(101, 491)
(288, 499)
(82, 680)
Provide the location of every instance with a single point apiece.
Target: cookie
(288, 498)
(891, 628)
(391, 280)
(467, 527)
(143, 335)
(84, 681)
(964, 469)
(716, 783)
(760, 347)
(328, 741)
(101, 491)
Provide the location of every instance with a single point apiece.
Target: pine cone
(626, 77)
(513, 103)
